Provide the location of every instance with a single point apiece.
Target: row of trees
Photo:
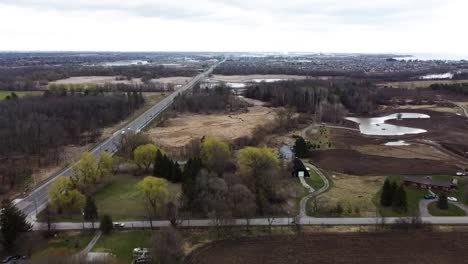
(459, 88)
(394, 195)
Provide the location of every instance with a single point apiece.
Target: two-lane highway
(37, 199)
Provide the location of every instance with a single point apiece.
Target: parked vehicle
(430, 196)
(452, 199)
(460, 173)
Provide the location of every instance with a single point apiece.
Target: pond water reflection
(377, 126)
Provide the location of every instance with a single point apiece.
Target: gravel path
(313, 193)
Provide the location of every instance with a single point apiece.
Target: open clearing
(4, 94)
(120, 192)
(179, 131)
(356, 163)
(412, 151)
(420, 83)
(177, 80)
(250, 78)
(63, 244)
(96, 80)
(354, 193)
(101, 80)
(122, 243)
(385, 247)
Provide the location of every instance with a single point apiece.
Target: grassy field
(4, 94)
(353, 193)
(64, 244)
(314, 180)
(121, 243)
(451, 211)
(119, 199)
(421, 83)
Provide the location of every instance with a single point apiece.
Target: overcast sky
(373, 26)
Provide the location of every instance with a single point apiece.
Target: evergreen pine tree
(157, 164)
(400, 202)
(106, 224)
(442, 203)
(386, 197)
(13, 223)
(189, 174)
(90, 210)
(300, 148)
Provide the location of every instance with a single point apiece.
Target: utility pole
(34, 194)
(82, 214)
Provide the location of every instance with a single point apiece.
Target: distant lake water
(244, 84)
(447, 75)
(434, 56)
(126, 63)
(376, 126)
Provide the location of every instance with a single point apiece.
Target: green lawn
(64, 244)
(413, 195)
(4, 94)
(121, 243)
(314, 180)
(119, 199)
(451, 211)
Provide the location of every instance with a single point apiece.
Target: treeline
(395, 72)
(218, 99)
(459, 88)
(32, 78)
(329, 100)
(112, 87)
(33, 130)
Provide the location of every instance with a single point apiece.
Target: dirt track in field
(392, 247)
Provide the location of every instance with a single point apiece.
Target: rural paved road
(263, 222)
(39, 196)
(314, 193)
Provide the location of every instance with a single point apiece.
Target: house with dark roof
(428, 183)
(299, 169)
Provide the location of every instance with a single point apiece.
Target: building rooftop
(427, 181)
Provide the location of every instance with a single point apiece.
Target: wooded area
(32, 78)
(34, 130)
(218, 99)
(329, 101)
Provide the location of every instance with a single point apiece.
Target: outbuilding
(299, 169)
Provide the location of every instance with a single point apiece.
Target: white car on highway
(452, 199)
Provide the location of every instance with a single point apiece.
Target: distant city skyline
(352, 26)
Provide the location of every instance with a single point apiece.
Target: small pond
(397, 143)
(376, 125)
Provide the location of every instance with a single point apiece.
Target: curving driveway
(424, 212)
(313, 193)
